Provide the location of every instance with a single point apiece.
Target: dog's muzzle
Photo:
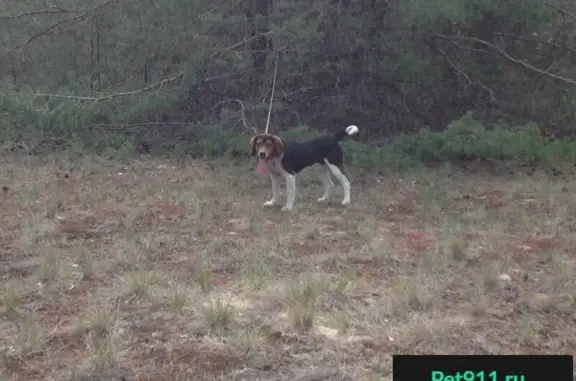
(262, 155)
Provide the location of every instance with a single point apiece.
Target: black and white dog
(286, 159)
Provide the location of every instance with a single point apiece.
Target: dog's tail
(350, 130)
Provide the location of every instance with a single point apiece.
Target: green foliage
(468, 138)
(383, 63)
(367, 59)
(562, 149)
(299, 133)
(464, 139)
(27, 118)
(214, 142)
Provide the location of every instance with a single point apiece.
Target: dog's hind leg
(290, 191)
(324, 176)
(343, 180)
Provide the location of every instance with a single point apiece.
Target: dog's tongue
(262, 167)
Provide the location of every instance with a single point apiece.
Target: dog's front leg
(290, 191)
(275, 190)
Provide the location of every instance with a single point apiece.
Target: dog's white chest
(275, 166)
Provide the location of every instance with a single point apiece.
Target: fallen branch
(122, 94)
(137, 125)
(126, 93)
(114, 95)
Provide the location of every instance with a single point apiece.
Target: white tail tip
(351, 130)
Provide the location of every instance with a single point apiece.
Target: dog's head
(266, 146)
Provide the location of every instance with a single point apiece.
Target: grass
(151, 270)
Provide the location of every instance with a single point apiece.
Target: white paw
(286, 208)
(322, 199)
(270, 203)
(345, 202)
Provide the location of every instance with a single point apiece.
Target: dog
(278, 159)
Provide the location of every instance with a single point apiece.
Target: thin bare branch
(60, 24)
(45, 32)
(454, 67)
(507, 56)
(519, 38)
(462, 73)
(137, 125)
(304, 89)
(243, 114)
(562, 11)
(126, 93)
(114, 95)
(520, 62)
(199, 15)
(51, 11)
(239, 44)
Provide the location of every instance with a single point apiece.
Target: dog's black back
(299, 155)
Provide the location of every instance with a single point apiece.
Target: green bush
(463, 139)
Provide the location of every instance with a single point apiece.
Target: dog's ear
(252, 151)
(278, 145)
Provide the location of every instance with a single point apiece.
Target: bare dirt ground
(160, 271)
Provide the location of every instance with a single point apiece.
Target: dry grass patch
(99, 319)
(178, 297)
(202, 274)
(256, 267)
(85, 263)
(11, 300)
(51, 266)
(219, 314)
(140, 283)
(301, 300)
(29, 333)
(151, 270)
